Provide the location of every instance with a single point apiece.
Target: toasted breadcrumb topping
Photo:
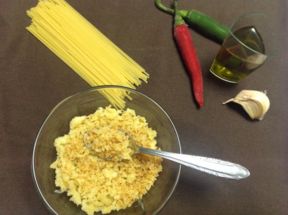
(111, 178)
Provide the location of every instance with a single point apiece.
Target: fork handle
(212, 166)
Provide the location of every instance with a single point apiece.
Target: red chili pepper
(189, 56)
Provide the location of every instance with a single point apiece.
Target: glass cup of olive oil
(243, 51)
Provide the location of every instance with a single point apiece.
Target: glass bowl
(83, 103)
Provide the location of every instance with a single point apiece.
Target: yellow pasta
(85, 49)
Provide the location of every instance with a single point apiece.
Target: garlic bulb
(255, 103)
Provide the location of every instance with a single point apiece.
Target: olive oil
(239, 55)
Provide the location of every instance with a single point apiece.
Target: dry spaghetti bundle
(84, 48)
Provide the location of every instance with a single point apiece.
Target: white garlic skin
(255, 103)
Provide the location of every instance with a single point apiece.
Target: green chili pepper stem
(162, 7)
(169, 10)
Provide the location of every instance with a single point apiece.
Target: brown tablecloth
(33, 80)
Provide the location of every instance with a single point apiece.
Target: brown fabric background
(33, 80)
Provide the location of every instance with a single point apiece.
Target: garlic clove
(255, 103)
(252, 108)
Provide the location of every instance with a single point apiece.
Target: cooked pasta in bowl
(82, 163)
